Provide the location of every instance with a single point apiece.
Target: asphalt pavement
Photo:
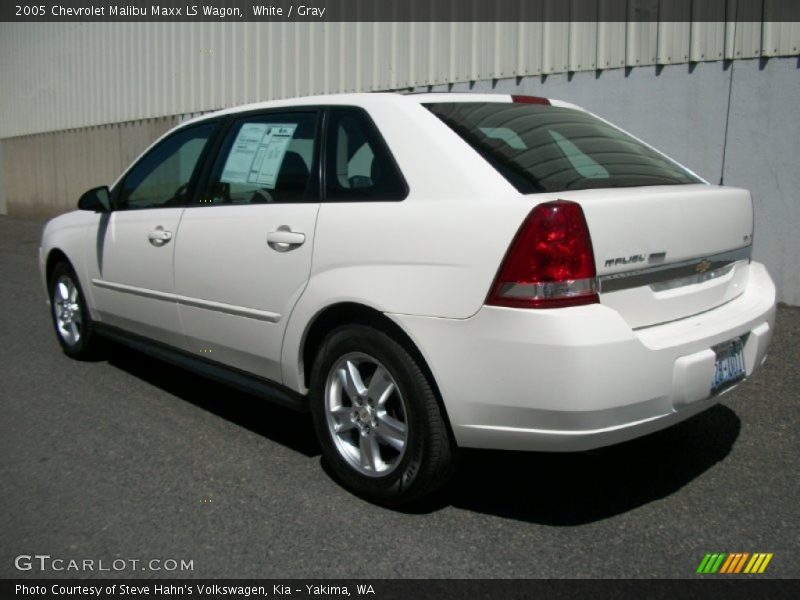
(127, 459)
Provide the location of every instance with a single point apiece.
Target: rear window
(540, 148)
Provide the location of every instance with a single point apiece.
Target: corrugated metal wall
(58, 76)
(46, 173)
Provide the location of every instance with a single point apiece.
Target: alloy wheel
(366, 414)
(67, 309)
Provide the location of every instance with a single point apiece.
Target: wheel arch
(55, 256)
(353, 313)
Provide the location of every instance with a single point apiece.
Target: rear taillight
(550, 262)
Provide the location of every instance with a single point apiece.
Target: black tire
(87, 344)
(429, 455)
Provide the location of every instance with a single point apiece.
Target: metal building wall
(60, 76)
(46, 173)
(79, 101)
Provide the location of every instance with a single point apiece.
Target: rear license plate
(729, 367)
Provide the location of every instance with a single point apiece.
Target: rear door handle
(159, 236)
(285, 239)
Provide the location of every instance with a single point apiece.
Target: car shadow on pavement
(282, 425)
(559, 489)
(566, 489)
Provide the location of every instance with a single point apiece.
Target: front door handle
(285, 239)
(159, 236)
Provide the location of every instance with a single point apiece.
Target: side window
(162, 177)
(358, 163)
(265, 159)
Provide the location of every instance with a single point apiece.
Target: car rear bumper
(579, 378)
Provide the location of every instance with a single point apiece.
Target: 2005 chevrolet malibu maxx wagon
(423, 273)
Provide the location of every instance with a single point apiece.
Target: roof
(366, 99)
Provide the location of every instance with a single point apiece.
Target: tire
(377, 418)
(71, 320)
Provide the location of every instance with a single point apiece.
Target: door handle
(285, 239)
(159, 236)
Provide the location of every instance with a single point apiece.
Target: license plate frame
(729, 366)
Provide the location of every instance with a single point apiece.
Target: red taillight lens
(550, 262)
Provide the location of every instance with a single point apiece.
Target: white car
(423, 273)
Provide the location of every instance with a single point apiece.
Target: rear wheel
(377, 417)
(71, 319)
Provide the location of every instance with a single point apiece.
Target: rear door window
(540, 148)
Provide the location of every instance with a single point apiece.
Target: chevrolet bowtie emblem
(703, 266)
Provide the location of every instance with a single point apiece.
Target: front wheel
(71, 319)
(377, 417)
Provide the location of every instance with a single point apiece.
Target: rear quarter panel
(434, 254)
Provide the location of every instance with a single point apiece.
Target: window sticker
(240, 158)
(257, 154)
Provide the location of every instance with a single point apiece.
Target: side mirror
(97, 199)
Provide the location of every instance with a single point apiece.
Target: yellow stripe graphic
(765, 563)
(754, 562)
